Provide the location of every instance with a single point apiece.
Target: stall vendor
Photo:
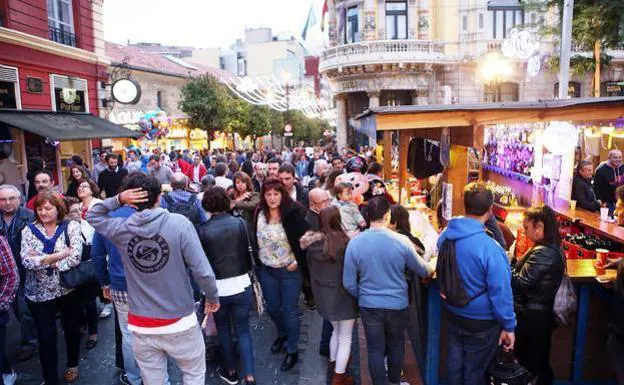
(582, 191)
(609, 175)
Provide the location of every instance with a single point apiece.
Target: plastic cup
(572, 205)
(602, 257)
(604, 213)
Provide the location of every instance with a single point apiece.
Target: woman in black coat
(279, 224)
(535, 281)
(582, 190)
(326, 264)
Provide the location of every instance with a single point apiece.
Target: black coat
(302, 195)
(72, 189)
(616, 326)
(23, 216)
(536, 278)
(224, 241)
(583, 193)
(110, 181)
(606, 180)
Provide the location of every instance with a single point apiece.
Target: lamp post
(494, 70)
(286, 76)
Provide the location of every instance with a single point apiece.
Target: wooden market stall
(577, 359)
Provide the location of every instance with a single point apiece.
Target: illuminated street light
(494, 70)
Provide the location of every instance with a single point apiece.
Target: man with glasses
(14, 219)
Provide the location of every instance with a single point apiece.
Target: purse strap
(249, 247)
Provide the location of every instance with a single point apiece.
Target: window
(481, 21)
(465, 23)
(61, 22)
(159, 100)
(352, 32)
(502, 92)
(504, 17)
(396, 20)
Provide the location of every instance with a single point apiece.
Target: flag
(310, 22)
(324, 12)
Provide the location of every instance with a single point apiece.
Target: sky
(201, 23)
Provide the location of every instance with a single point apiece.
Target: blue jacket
(374, 268)
(483, 267)
(112, 273)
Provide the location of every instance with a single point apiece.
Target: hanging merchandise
(155, 125)
(510, 147)
(424, 158)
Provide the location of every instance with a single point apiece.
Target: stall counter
(592, 221)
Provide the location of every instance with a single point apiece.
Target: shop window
(574, 90)
(502, 92)
(352, 30)
(481, 21)
(70, 94)
(396, 20)
(465, 23)
(612, 89)
(159, 100)
(9, 88)
(61, 22)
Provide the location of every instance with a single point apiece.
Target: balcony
(61, 36)
(617, 52)
(382, 51)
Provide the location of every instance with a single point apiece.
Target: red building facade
(51, 58)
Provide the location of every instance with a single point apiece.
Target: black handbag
(79, 275)
(505, 369)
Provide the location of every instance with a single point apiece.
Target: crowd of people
(184, 237)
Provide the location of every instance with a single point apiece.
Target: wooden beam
(387, 154)
(404, 139)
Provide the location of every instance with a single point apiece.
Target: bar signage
(70, 100)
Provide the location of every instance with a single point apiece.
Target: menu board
(70, 100)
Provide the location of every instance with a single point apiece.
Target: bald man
(182, 201)
(609, 175)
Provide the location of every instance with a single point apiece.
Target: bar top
(592, 221)
(583, 270)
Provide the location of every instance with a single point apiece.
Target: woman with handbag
(244, 198)
(279, 224)
(333, 302)
(226, 242)
(50, 246)
(535, 280)
(88, 292)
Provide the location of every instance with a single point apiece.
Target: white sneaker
(107, 310)
(9, 379)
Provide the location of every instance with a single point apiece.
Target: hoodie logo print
(149, 255)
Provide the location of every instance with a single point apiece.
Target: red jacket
(189, 172)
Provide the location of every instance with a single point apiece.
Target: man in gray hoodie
(157, 249)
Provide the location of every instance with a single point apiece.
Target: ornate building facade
(399, 52)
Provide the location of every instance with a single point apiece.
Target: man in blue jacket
(112, 278)
(474, 331)
(374, 273)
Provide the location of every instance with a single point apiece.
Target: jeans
(615, 347)
(44, 314)
(130, 365)
(340, 344)
(186, 348)
(385, 336)
(469, 354)
(119, 359)
(532, 348)
(28, 330)
(281, 289)
(4, 362)
(234, 314)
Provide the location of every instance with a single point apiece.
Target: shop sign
(198, 134)
(7, 95)
(70, 100)
(613, 89)
(126, 117)
(34, 85)
(177, 133)
(574, 89)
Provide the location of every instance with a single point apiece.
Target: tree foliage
(258, 122)
(206, 103)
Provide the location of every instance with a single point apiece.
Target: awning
(64, 125)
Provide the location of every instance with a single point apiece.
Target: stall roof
(64, 125)
(452, 115)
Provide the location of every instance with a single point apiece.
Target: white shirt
(232, 286)
(196, 174)
(181, 325)
(293, 194)
(223, 182)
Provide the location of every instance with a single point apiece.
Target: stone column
(373, 101)
(342, 123)
(424, 21)
(370, 20)
(332, 23)
(412, 19)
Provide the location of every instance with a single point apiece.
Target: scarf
(48, 243)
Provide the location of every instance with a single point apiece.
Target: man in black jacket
(609, 175)
(110, 179)
(297, 192)
(14, 219)
(615, 343)
(582, 191)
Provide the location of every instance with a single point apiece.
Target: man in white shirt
(220, 179)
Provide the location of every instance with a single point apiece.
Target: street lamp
(494, 70)
(286, 77)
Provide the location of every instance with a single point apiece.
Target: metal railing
(379, 51)
(59, 35)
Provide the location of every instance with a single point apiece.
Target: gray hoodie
(157, 247)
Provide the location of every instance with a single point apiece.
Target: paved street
(97, 366)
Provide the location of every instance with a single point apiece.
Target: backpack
(451, 287)
(189, 208)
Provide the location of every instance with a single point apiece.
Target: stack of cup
(604, 214)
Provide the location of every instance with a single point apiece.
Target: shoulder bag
(255, 283)
(79, 275)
